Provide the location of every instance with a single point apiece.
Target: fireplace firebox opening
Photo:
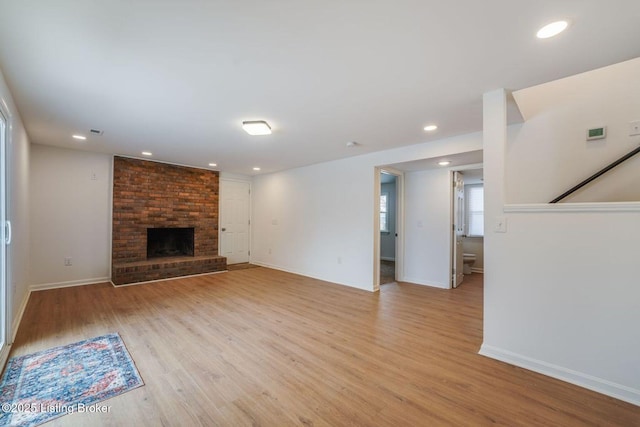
(169, 242)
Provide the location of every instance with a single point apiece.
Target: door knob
(224, 229)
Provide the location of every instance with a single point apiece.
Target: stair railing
(596, 175)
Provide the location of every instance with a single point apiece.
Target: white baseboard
(4, 355)
(433, 284)
(18, 319)
(275, 267)
(477, 270)
(590, 382)
(57, 285)
(387, 258)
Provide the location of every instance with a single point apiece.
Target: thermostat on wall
(596, 133)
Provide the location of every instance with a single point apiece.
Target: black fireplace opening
(169, 242)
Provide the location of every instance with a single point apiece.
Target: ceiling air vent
(96, 132)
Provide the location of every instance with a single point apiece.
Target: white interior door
(458, 228)
(234, 220)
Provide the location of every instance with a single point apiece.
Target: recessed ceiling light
(444, 163)
(80, 137)
(552, 29)
(147, 153)
(256, 169)
(257, 127)
(430, 128)
(213, 165)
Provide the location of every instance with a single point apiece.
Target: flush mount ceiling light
(552, 29)
(430, 128)
(257, 127)
(444, 163)
(80, 137)
(256, 169)
(147, 153)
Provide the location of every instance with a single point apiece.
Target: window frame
(467, 211)
(384, 225)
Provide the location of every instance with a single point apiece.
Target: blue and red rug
(73, 378)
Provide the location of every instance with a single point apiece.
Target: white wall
(428, 227)
(561, 287)
(308, 219)
(388, 240)
(18, 207)
(549, 154)
(70, 216)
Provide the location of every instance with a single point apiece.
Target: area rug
(73, 378)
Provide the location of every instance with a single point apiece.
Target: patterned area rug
(72, 378)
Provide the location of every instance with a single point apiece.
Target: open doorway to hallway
(425, 211)
(388, 227)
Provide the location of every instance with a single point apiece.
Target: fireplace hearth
(169, 242)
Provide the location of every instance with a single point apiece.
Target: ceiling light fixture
(430, 128)
(256, 169)
(552, 29)
(257, 127)
(444, 163)
(213, 165)
(80, 137)
(147, 153)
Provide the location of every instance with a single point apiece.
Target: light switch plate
(500, 225)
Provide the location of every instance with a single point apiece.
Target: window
(474, 209)
(384, 212)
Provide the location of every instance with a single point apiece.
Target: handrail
(596, 175)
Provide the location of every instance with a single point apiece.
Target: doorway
(467, 219)
(457, 233)
(388, 234)
(388, 226)
(234, 221)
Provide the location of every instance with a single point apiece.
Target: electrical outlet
(634, 128)
(94, 176)
(67, 262)
(339, 260)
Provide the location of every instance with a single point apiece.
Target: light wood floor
(262, 347)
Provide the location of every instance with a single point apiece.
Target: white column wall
(561, 290)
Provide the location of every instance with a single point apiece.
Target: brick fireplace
(165, 221)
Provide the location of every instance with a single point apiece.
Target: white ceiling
(178, 77)
(456, 161)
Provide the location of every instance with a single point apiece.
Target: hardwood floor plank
(264, 347)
